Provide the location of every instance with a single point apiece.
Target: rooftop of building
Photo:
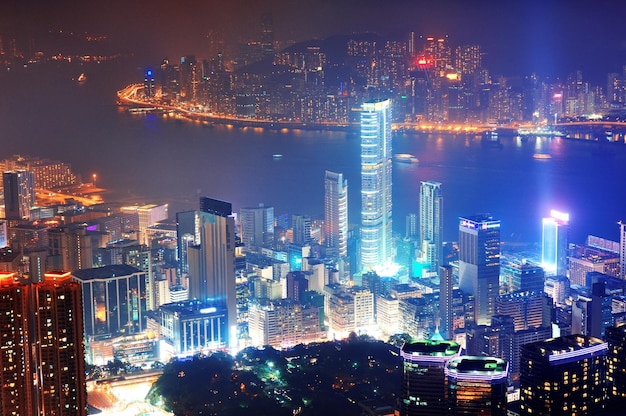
(568, 346)
(105, 272)
(192, 308)
(479, 218)
(431, 348)
(470, 364)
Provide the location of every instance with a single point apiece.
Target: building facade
(19, 194)
(114, 299)
(479, 263)
(336, 214)
(565, 374)
(42, 356)
(283, 323)
(376, 184)
(257, 226)
(431, 224)
(423, 381)
(554, 243)
(212, 261)
(476, 385)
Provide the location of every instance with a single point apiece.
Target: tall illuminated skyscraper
(42, 365)
(212, 261)
(336, 213)
(479, 263)
(376, 202)
(554, 243)
(19, 194)
(431, 224)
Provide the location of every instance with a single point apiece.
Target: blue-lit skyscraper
(479, 263)
(431, 224)
(376, 204)
(554, 243)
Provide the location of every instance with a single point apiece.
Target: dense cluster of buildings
(143, 287)
(501, 331)
(429, 79)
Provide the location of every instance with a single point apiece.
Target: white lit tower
(554, 243)
(376, 203)
(431, 224)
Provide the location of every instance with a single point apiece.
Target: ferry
(82, 78)
(405, 158)
(542, 156)
(277, 156)
(539, 131)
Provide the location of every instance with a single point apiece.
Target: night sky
(548, 37)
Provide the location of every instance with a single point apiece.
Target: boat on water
(405, 158)
(539, 131)
(542, 156)
(277, 156)
(82, 77)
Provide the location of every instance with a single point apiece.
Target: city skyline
(520, 37)
(203, 286)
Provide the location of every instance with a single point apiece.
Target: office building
(336, 214)
(423, 381)
(558, 288)
(283, 323)
(376, 184)
(566, 375)
(42, 363)
(149, 86)
(70, 248)
(149, 215)
(431, 224)
(301, 226)
(616, 364)
(528, 309)
(584, 259)
(622, 249)
(19, 194)
(257, 227)
(349, 311)
(554, 243)
(212, 261)
(476, 385)
(522, 276)
(446, 312)
(192, 327)
(114, 299)
(479, 263)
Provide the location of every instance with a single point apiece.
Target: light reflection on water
(151, 158)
